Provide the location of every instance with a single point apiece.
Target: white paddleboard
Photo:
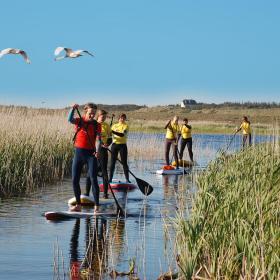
(89, 201)
(52, 215)
(175, 171)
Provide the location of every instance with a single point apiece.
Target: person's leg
(92, 169)
(123, 154)
(175, 153)
(114, 156)
(250, 139)
(77, 166)
(244, 140)
(104, 162)
(189, 145)
(167, 149)
(88, 185)
(182, 148)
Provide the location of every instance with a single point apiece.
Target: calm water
(33, 248)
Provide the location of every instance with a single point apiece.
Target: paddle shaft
(120, 210)
(144, 187)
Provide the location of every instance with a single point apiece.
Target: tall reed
(233, 232)
(35, 149)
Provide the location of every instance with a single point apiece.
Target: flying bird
(70, 53)
(15, 51)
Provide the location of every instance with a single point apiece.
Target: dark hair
(122, 116)
(185, 120)
(90, 106)
(101, 112)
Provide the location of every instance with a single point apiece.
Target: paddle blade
(144, 187)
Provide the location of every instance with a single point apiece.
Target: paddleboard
(89, 201)
(184, 163)
(175, 171)
(59, 215)
(118, 185)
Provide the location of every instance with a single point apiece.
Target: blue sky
(146, 52)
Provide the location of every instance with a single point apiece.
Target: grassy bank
(35, 149)
(233, 232)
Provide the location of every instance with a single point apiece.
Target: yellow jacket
(121, 128)
(172, 131)
(186, 132)
(246, 128)
(105, 132)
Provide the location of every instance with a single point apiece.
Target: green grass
(233, 232)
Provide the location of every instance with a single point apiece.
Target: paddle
(231, 140)
(143, 186)
(119, 209)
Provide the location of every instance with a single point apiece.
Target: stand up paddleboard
(118, 185)
(184, 163)
(174, 171)
(60, 215)
(89, 201)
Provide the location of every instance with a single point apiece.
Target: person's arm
(118, 133)
(238, 129)
(167, 124)
(188, 126)
(71, 114)
(98, 141)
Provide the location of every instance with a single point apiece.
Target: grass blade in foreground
(233, 231)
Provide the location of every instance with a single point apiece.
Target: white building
(187, 102)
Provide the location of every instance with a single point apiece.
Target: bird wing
(58, 50)
(5, 51)
(68, 50)
(84, 51)
(26, 58)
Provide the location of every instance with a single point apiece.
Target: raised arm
(71, 114)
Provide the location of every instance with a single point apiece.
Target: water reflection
(103, 246)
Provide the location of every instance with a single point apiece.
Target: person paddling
(246, 131)
(103, 152)
(87, 141)
(171, 138)
(119, 133)
(186, 132)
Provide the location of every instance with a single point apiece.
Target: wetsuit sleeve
(188, 126)
(71, 118)
(98, 142)
(118, 133)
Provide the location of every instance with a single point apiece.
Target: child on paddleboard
(171, 139)
(103, 152)
(246, 131)
(119, 133)
(186, 132)
(87, 141)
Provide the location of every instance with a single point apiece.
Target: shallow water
(34, 248)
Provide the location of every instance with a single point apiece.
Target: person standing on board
(171, 139)
(119, 133)
(246, 131)
(87, 141)
(186, 132)
(103, 152)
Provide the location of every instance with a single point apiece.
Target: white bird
(15, 51)
(69, 53)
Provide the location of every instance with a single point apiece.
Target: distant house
(187, 102)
